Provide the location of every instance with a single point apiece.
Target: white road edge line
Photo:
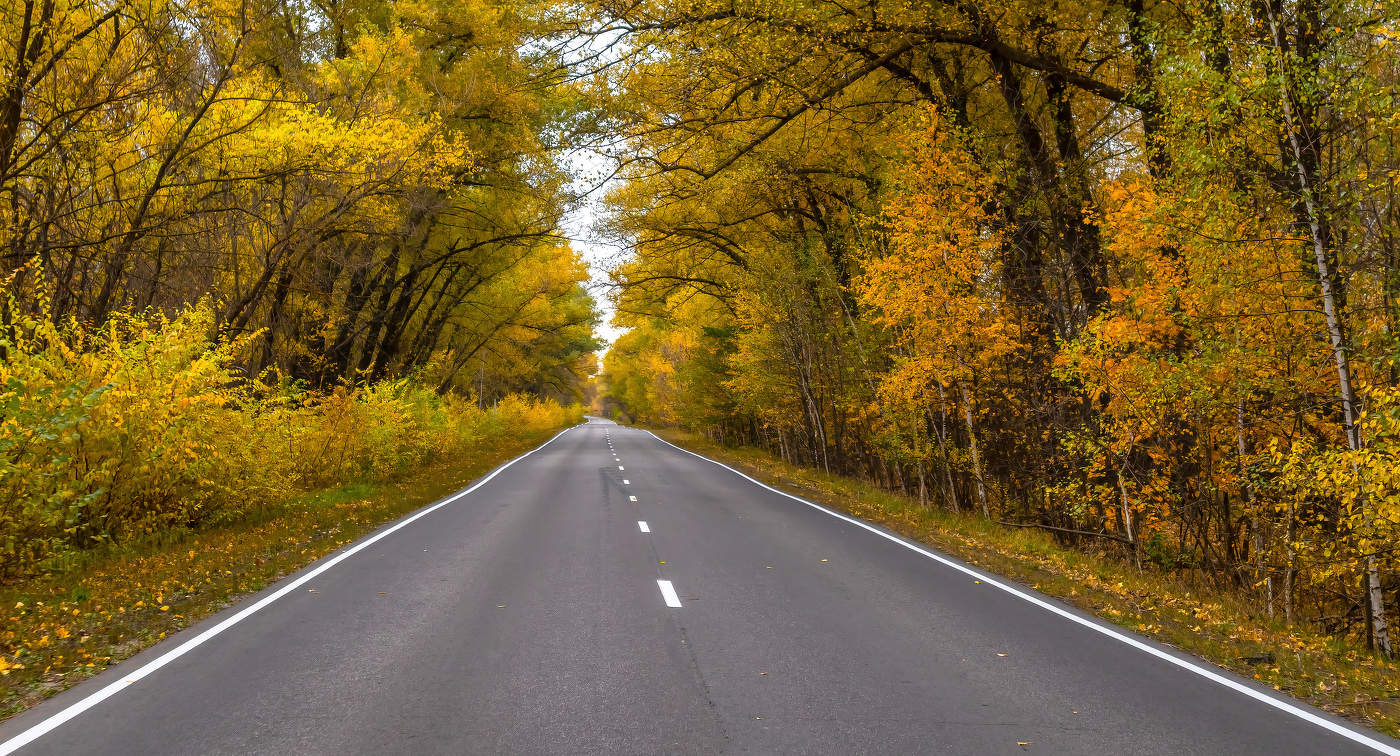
(1258, 695)
(42, 728)
(668, 592)
(643, 526)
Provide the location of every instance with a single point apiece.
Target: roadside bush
(148, 425)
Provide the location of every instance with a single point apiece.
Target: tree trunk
(1304, 166)
(951, 490)
(1263, 576)
(976, 452)
(1128, 523)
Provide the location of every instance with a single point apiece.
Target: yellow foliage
(147, 425)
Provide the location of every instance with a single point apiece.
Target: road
(610, 593)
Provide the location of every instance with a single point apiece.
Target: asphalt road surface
(610, 593)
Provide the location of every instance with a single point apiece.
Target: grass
(105, 605)
(1224, 628)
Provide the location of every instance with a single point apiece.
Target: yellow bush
(148, 425)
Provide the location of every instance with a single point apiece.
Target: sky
(579, 224)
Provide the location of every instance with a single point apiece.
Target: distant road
(610, 593)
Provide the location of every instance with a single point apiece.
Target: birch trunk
(952, 491)
(1256, 529)
(1336, 335)
(976, 452)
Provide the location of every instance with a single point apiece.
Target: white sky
(589, 170)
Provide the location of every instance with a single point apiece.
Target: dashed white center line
(668, 592)
(642, 526)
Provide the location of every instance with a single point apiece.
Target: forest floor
(1222, 627)
(108, 604)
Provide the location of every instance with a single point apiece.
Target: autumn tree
(1122, 271)
(366, 186)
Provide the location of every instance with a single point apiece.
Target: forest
(252, 248)
(1125, 271)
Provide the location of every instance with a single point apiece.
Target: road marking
(642, 525)
(668, 592)
(1287, 707)
(631, 498)
(111, 689)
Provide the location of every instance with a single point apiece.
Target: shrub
(148, 425)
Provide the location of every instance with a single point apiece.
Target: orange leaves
(938, 284)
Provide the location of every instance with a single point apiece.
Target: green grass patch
(101, 606)
(1226, 629)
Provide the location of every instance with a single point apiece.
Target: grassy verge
(1222, 628)
(109, 604)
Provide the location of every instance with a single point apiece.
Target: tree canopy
(371, 187)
